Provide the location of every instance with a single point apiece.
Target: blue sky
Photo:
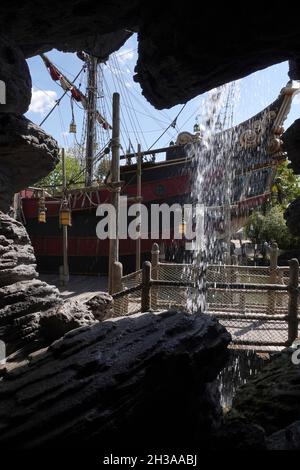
(140, 121)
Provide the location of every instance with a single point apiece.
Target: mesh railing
(167, 297)
(268, 302)
(253, 303)
(254, 316)
(132, 279)
(257, 333)
(127, 302)
(247, 274)
(174, 272)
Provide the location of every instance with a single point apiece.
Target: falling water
(212, 182)
(242, 365)
(220, 158)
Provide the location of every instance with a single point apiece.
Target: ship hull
(162, 183)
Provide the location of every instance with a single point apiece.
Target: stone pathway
(79, 287)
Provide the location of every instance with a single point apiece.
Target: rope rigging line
(117, 73)
(128, 98)
(173, 124)
(130, 118)
(98, 157)
(124, 125)
(185, 122)
(64, 133)
(57, 103)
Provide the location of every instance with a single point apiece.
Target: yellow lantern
(42, 216)
(72, 129)
(42, 209)
(65, 216)
(182, 228)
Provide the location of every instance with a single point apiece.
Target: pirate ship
(255, 151)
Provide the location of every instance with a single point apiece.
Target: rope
(170, 125)
(59, 100)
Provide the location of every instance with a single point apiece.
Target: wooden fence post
(273, 263)
(154, 257)
(234, 260)
(227, 258)
(117, 285)
(293, 301)
(272, 297)
(154, 273)
(146, 287)
(117, 275)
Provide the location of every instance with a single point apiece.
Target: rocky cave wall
(182, 53)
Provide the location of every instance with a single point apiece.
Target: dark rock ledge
(144, 380)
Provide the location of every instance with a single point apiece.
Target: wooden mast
(115, 189)
(91, 119)
(139, 199)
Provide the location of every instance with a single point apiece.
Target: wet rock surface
(291, 141)
(292, 217)
(27, 154)
(239, 435)
(101, 306)
(14, 73)
(23, 297)
(271, 398)
(32, 312)
(115, 382)
(286, 439)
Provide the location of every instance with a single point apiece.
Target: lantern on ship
(42, 210)
(196, 128)
(73, 128)
(65, 215)
(182, 228)
(42, 217)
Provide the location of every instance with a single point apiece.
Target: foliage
(103, 169)
(271, 227)
(54, 180)
(286, 186)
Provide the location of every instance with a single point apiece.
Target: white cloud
(125, 55)
(296, 100)
(42, 101)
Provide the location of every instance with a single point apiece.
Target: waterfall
(213, 173)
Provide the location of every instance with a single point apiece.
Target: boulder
(23, 297)
(101, 305)
(292, 217)
(71, 315)
(144, 381)
(27, 154)
(270, 399)
(291, 144)
(15, 76)
(239, 435)
(285, 439)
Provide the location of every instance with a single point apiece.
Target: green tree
(254, 227)
(54, 180)
(286, 186)
(271, 227)
(269, 224)
(102, 169)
